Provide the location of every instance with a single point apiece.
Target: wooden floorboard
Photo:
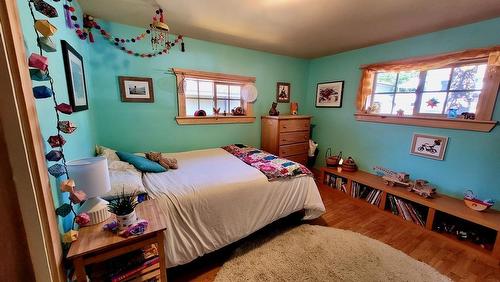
(459, 262)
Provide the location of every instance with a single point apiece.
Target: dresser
(286, 136)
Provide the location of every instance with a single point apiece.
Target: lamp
(92, 177)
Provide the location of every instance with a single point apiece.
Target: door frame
(26, 150)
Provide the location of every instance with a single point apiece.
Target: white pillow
(108, 153)
(125, 181)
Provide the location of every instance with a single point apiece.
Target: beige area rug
(316, 253)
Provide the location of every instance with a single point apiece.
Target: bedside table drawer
(294, 137)
(294, 125)
(295, 149)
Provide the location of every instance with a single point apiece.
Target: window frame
(420, 89)
(485, 105)
(218, 79)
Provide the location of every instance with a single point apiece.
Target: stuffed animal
(168, 163)
(273, 111)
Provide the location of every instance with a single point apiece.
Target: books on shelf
(128, 266)
(336, 182)
(405, 210)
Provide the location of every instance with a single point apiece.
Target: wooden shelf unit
(442, 203)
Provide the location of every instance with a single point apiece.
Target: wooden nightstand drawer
(294, 137)
(302, 158)
(295, 149)
(294, 125)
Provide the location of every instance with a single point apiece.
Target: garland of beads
(89, 23)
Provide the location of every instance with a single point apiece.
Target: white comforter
(214, 199)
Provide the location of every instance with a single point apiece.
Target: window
(432, 91)
(197, 90)
(208, 95)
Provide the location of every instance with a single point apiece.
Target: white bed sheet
(215, 199)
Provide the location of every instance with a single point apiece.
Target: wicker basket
(349, 165)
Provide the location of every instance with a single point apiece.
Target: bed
(215, 199)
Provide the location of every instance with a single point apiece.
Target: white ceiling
(299, 28)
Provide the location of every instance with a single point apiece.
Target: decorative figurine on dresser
(286, 136)
(273, 111)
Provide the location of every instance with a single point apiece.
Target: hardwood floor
(459, 262)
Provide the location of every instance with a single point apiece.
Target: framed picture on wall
(428, 146)
(75, 77)
(283, 92)
(329, 94)
(136, 89)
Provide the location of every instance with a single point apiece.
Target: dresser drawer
(294, 137)
(294, 125)
(301, 159)
(295, 149)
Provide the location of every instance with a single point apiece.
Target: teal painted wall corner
(472, 159)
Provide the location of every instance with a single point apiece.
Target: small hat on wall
(45, 28)
(45, 8)
(42, 92)
(47, 44)
(38, 61)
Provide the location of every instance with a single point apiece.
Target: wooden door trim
(26, 152)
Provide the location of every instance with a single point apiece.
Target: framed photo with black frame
(329, 94)
(75, 77)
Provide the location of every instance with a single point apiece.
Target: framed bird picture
(329, 94)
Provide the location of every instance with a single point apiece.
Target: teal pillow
(141, 163)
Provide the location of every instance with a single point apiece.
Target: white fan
(249, 93)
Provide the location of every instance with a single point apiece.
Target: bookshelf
(429, 213)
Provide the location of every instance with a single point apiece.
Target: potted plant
(124, 208)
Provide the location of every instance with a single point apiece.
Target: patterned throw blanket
(272, 166)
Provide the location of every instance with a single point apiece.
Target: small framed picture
(329, 94)
(283, 92)
(75, 77)
(136, 89)
(428, 146)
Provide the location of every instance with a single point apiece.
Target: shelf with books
(407, 210)
(369, 194)
(336, 182)
(421, 211)
(129, 266)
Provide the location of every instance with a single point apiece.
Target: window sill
(214, 120)
(460, 124)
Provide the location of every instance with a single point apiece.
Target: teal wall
(145, 126)
(80, 143)
(472, 159)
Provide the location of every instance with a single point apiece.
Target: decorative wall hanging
(40, 72)
(282, 92)
(75, 77)
(428, 146)
(136, 89)
(329, 94)
(158, 31)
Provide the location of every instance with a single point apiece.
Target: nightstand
(95, 245)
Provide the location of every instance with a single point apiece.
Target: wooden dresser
(286, 136)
